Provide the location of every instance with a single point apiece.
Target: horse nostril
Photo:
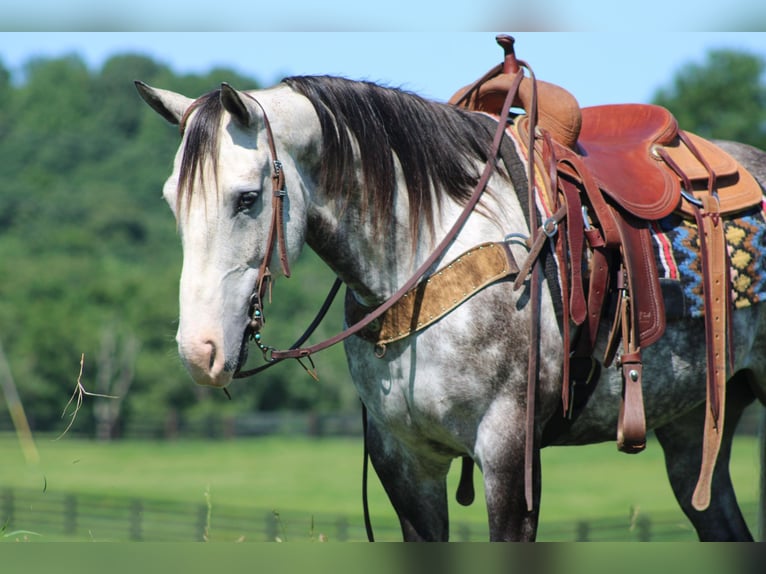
(212, 354)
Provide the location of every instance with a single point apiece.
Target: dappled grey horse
(372, 179)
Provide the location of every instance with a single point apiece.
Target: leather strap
(575, 239)
(533, 363)
(597, 292)
(717, 294)
(572, 166)
(277, 229)
(631, 423)
(512, 66)
(644, 279)
(276, 237)
(715, 285)
(306, 334)
(541, 235)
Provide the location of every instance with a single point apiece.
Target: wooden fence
(216, 426)
(61, 516)
(70, 517)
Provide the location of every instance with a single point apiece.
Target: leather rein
(276, 240)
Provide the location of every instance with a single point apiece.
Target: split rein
(273, 356)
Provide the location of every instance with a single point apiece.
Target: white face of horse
(224, 217)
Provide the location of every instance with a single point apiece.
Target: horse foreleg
(415, 485)
(503, 470)
(681, 441)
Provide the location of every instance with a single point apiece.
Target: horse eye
(246, 199)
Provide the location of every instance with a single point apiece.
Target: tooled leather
(438, 295)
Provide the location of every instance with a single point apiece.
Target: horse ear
(242, 108)
(169, 105)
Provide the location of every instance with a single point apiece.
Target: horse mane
(438, 146)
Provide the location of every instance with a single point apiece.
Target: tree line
(90, 259)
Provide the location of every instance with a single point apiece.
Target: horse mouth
(244, 349)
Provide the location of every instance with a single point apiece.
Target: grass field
(312, 477)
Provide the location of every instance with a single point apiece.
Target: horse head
(230, 178)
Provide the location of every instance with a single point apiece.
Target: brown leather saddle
(612, 170)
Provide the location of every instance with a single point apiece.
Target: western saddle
(603, 174)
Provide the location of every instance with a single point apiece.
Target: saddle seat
(621, 147)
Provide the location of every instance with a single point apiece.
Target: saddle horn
(510, 63)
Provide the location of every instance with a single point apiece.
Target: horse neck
(346, 241)
(375, 266)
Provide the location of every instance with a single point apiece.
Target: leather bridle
(276, 239)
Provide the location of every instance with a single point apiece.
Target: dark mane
(437, 145)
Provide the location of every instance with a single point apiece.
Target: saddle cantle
(605, 173)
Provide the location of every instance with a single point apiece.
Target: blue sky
(667, 16)
(597, 68)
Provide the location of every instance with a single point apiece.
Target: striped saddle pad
(676, 246)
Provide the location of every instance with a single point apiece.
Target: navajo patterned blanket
(676, 245)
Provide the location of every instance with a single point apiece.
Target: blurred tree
(724, 97)
(114, 376)
(6, 92)
(87, 245)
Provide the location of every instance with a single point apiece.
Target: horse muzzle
(205, 360)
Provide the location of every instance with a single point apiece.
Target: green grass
(265, 472)
(308, 477)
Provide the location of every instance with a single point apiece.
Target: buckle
(690, 198)
(550, 227)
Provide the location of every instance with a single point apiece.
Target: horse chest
(411, 393)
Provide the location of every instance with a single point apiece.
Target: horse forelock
(201, 127)
(438, 146)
